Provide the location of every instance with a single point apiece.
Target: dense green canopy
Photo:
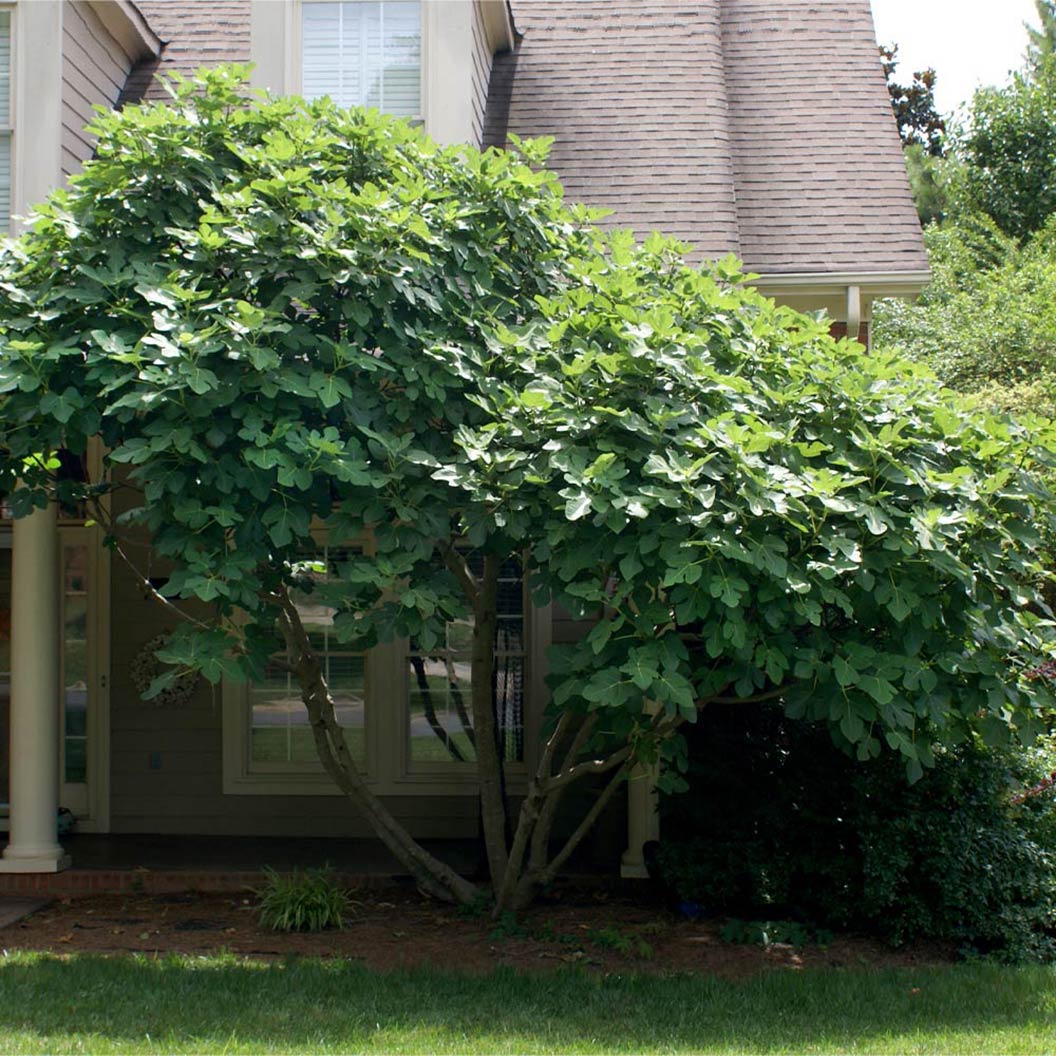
(287, 314)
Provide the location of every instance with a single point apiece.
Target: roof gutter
(869, 283)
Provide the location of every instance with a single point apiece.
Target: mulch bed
(396, 928)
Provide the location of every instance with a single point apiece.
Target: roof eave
(498, 24)
(128, 27)
(872, 283)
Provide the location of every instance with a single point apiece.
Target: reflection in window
(440, 715)
(363, 53)
(279, 729)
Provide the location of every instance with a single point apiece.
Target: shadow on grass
(133, 1003)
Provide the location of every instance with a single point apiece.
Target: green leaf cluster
(288, 321)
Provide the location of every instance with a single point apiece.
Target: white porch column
(34, 769)
(643, 820)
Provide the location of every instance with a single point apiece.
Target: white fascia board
(498, 24)
(872, 284)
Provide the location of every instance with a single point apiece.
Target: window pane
(279, 728)
(363, 54)
(5, 120)
(440, 710)
(5, 183)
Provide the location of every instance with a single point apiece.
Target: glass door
(77, 664)
(82, 670)
(5, 671)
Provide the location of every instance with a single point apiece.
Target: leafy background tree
(985, 324)
(1041, 39)
(919, 121)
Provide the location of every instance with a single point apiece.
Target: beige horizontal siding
(481, 72)
(94, 70)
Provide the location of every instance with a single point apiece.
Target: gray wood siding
(184, 794)
(94, 70)
(480, 73)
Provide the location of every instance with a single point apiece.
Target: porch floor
(226, 854)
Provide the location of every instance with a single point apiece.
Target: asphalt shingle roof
(758, 127)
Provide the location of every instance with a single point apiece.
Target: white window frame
(447, 42)
(389, 767)
(297, 44)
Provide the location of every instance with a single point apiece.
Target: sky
(970, 43)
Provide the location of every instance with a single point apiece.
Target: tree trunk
(489, 760)
(433, 876)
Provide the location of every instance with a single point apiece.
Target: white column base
(630, 870)
(643, 821)
(43, 863)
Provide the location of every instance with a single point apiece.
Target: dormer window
(363, 53)
(429, 61)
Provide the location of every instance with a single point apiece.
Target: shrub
(302, 901)
(985, 324)
(780, 824)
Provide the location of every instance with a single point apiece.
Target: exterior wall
(480, 74)
(166, 763)
(840, 330)
(94, 70)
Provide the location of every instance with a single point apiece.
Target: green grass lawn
(125, 1004)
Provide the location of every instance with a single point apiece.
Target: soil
(396, 927)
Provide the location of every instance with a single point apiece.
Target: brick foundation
(148, 881)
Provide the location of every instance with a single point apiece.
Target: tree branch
(593, 766)
(758, 698)
(456, 564)
(583, 828)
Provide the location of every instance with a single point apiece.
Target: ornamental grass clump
(304, 900)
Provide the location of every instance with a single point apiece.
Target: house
(707, 120)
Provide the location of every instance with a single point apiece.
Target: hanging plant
(146, 667)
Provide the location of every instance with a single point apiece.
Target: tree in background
(919, 122)
(923, 133)
(929, 179)
(1007, 151)
(985, 324)
(1041, 44)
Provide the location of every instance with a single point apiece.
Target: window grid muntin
(349, 52)
(330, 651)
(511, 654)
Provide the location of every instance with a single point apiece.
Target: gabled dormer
(428, 60)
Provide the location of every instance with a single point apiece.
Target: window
(440, 713)
(407, 714)
(5, 122)
(279, 732)
(363, 53)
